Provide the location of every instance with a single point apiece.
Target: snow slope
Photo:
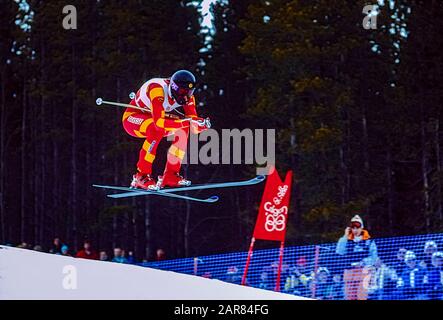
(26, 274)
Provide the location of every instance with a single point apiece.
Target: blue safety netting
(408, 267)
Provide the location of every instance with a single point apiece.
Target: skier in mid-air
(160, 96)
(149, 116)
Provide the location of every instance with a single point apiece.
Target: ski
(211, 199)
(167, 192)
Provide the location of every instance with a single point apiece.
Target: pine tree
(419, 94)
(318, 81)
(8, 34)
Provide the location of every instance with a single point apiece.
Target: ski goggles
(184, 90)
(355, 225)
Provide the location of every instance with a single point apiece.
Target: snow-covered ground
(26, 274)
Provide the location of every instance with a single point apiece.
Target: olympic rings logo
(275, 218)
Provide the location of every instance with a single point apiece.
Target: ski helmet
(182, 86)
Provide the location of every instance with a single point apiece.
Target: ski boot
(172, 180)
(143, 181)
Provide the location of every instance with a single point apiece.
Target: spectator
(382, 281)
(103, 256)
(412, 283)
(160, 255)
(321, 286)
(273, 274)
(298, 280)
(38, 248)
(233, 275)
(131, 258)
(119, 256)
(23, 245)
(301, 266)
(65, 251)
(56, 246)
(264, 281)
(357, 252)
(436, 277)
(87, 252)
(429, 249)
(337, 289)
(400, 264)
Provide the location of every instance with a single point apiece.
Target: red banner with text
(273, 211)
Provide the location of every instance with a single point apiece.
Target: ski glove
(199, 125)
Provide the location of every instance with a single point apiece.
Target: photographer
(357, 252)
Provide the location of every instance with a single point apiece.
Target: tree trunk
(366, 185)
(24, 176)
(147, 217)
(134, 228)
(186, 232)
(37, 184)
(116, 164)
(88, 201)
(42, 163)
(56, 191)
(390, 190)
(425, 170)
(74, 115)
(2, 157)
(237, 218)
(128, 216)
(186, 227)
(364, 122)
(39, 134)
(438, 163)
(348, 154)
(115, 217)
(35, 176)
(343, 173)
(295, 191)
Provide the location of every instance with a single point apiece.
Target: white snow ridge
(27, 274)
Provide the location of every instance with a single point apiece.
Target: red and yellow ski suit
(153, 124)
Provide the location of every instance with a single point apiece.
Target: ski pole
(100, 101)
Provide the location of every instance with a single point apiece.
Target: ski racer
(161, 96)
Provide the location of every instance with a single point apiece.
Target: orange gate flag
(273, 212)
